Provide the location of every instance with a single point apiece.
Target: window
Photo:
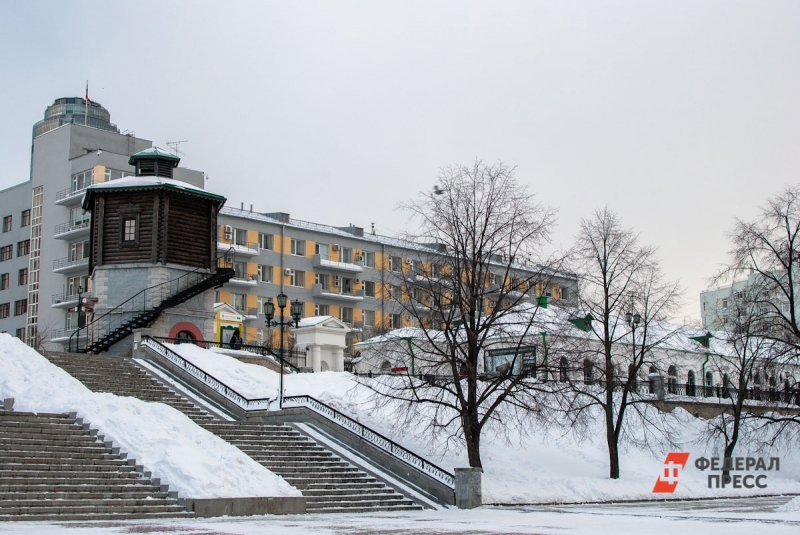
(113, 174)
(73, 283)
(4, 278)
(26, 218)
(23, 247)
(20, 333)
(588, 372)
(7, 223)
(346, 255)
(396, 264)
(322, 310)
(397, 321)
(347, 286)
(78, 216)
(6, 253)
(298, 247)
(240, 270)
(395, 292)
(369, 259)
(323, 281)
(264, 273)
(129, 228)
(239, 302)
(4, 310)
(346, 314)
(265, 241)
(22, 277)
(492, 278)
(20, 307)
(79, 250)
(82, 180)
(323, 250)
(369, 318)
(240, 236)
(297, 278)
(369, 288)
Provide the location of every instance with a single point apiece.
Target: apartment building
(53, 244)
(344, 272)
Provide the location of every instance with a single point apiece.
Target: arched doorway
(183, 337)
(672, 380)
(690, 383)
(588, 372)
(562, 370)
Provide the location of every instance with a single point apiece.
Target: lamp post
(296, 310)
(633, 320)
(78, 308)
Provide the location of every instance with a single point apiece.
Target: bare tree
(768, 251)
(625, 298)
(464, 292)
(747, 362)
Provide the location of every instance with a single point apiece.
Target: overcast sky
(678, 115)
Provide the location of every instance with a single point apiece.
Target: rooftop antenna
(174, 146)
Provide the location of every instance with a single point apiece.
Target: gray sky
(678, 115)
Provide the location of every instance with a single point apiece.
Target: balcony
(250, 249)
(67, 300)
(72, 229)
(317, 291)
(70, 265)
(239, 280)
(69, 196)
(320, 261)
(61, 335)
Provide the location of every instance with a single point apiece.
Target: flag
(87, 93)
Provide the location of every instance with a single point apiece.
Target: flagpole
(86, 106)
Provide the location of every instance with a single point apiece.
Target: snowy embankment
(190, 459)
(530, 465)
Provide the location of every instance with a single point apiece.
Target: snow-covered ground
(531, 465)
(190, 459)
(728, 517)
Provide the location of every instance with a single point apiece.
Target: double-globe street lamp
(633, 320)
(296, 310)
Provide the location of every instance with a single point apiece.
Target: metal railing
(294, 358)
(373, 437)
(328, 412)
(207, 379)
(148, 301)
(68, 297)
(69, 226)
(767, 395)
(67, 262)
(70, 192)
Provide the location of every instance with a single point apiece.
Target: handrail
(373, 437)
(131, 304)
(255, 349)
(333, 415)
(208, 379)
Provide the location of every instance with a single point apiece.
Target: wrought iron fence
(294, 358)
(328, 412)
(373, 437)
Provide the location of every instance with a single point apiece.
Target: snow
(760, 516)
(531, 464)
(149, 182)
(193, 461)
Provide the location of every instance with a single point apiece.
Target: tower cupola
(154, 162)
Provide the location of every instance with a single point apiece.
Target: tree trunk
(472, 436)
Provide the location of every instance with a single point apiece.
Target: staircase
(142, 309)
(53, 467)
(123, 377)
(329, 484)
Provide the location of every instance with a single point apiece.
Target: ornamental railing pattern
(206, 378)
(373, 437)
(326, 411)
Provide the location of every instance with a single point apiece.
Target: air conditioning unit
(336, 281)
(335, 246)
(229, 235)
(358, 281)
(228, 229)
(288, 271)
(360, 258)
(408, 317)
(408, 260)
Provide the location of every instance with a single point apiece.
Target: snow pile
(190, 459)
(792, 506)
(522, 465)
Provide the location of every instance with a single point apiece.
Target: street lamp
(79, 307)
(296, 310)
(633, 320)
